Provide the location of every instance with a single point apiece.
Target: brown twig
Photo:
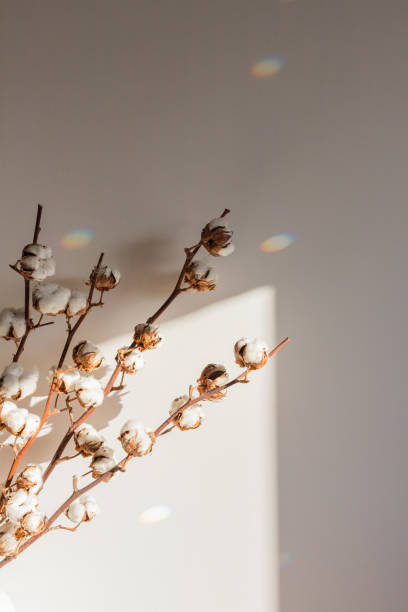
(161, 430)
(27, 290)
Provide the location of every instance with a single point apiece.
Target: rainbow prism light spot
(267, 67)
(277, 243)
(77, 238)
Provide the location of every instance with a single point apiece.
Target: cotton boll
(103, 461)
(87, 356)
(190, 418)
(216, 237)
(146, 336)
(36, 262)
(76, 512)
(251, 354)
(14, 420)
(89, 391)
(200, 276)
(87, 439)
(33, 523)
(30, 478)
(31, 425)
(66, 381)
(8, 539)
(50, 298)
(107, 278)
(77, 304)
(83, 509)
(136, 439)
(213, 376)
(12, 323)
(20, 503)
(130, 360)
(28, 383)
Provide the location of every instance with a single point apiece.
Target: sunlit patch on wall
(77, 238)
(277, 243)
(6, 605)
(285, 559)
(267, 67)
(155, 514)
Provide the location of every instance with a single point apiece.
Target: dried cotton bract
(87, 356)
(251, 354)
(146, 336)
(30, 478)
(213, 376)
(200, 276)
(130, 360)
(190, 418)
(12, 323)
(83, 509)
(8, 539)
(17, 383)
(37, 262)
(103, 461)
(107, 278)
(136, 439)
(216, 237)
(87, 440)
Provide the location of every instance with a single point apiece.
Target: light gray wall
(141, 119)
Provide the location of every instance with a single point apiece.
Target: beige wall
(140, 119)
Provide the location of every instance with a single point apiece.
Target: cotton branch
(29, 323)
(121, 465)
(47, 409)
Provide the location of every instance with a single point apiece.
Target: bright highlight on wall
(155, 514)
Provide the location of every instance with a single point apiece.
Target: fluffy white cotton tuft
(8, 539)
(77, 303)
(17, 383)
(103, 460)
(37, 262)
(30, 478)
(191, 417)
(251, 353)
(33, 522)
(135, 438)
(50, 298)
(83, 509)
(20, 503)
(89, 391)
(87, 439)
(12, 323)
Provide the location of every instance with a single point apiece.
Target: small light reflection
(77, 238)
(267, 67)
(155, 514)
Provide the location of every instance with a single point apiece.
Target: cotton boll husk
(77, 303)
(131, 361)
(191, 417)
(216, 237)
(87, 356)
(87, 439)
(30, 478)
(201, 276)
(146, 336)
(89, 391)
(178, 402)
(213, 376)
(33, 522)
(136, 439)
(107, 278)
(50, 298)
(8, 539)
